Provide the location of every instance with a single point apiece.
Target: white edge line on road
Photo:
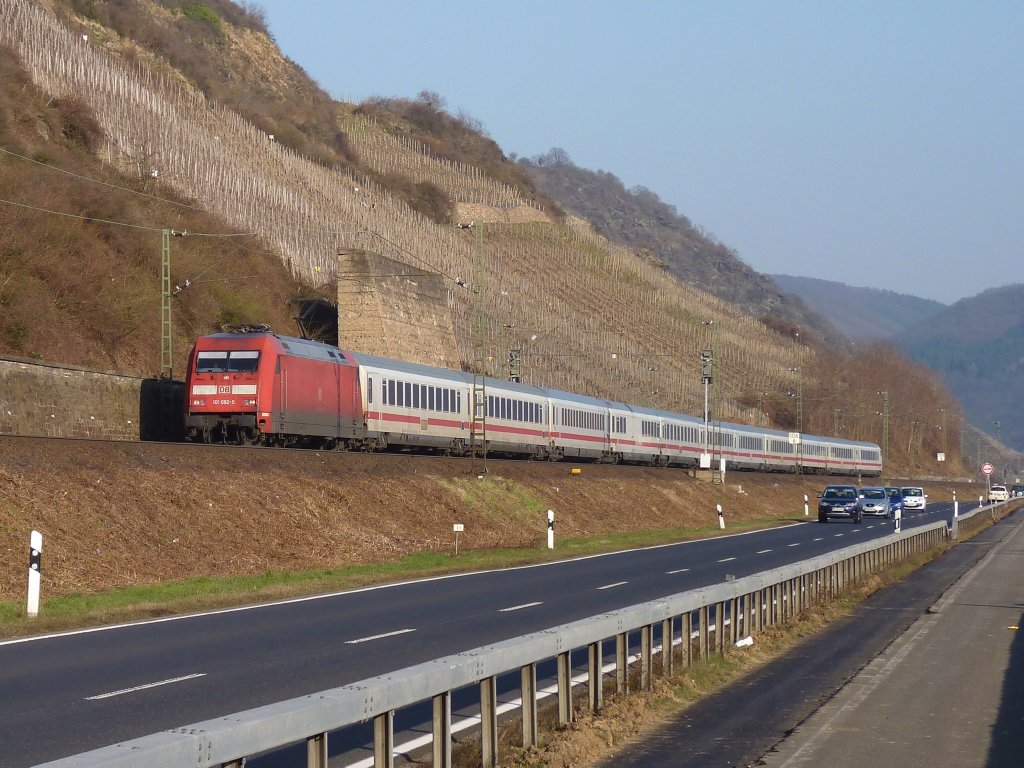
(308, 598)
(378, 637)
(144, 687)
(616, 584)
(519, 607)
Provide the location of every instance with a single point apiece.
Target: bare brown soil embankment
(124, 514)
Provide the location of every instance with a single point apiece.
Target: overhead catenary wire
(96, 220)
(58, 169)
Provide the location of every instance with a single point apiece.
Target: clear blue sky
(874, 143)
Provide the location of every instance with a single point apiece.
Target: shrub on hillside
(424, 197)
(458, 138)
(79, 125)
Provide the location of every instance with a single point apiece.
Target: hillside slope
(165, 89)
(605, 318)
(860, 313)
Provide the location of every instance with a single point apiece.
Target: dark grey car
(839, 501)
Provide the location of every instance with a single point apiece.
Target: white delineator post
(806, 508)
(35, 557)
(956, 506)
(551, 529)
(721, 517)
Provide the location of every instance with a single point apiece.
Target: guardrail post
(564, 675)
(489, 722)
(668, 648)
(734, 621)
(316, 751)
(702, 633)
(646, 662)
(384, 740)
(719, 628)
(442, 730)
(528, 692)
(686, 630)
(758, 610)
(621, 660)
(594, 678)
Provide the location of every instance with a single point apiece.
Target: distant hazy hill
(978, 346)
(860, 313)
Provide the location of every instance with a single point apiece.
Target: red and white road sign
(987, 469)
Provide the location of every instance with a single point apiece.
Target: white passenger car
(914, 497)
(998, 493)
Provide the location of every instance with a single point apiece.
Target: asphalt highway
(67, 693)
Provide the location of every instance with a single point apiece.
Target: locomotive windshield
(228, 361)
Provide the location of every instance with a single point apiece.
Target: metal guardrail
(751, 604)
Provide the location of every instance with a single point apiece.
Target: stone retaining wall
(40, 399)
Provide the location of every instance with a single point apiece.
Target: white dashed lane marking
(762, 551)
(378, 637)
(680, 570)
(727, 560)
(616, 584)
(123, 691)
(519, 607)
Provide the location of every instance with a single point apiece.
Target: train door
(281, 385)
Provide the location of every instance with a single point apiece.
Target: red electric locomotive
(255, 388)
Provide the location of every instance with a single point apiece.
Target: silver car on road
(875, 501)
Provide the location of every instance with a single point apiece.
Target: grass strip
(146, 601)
